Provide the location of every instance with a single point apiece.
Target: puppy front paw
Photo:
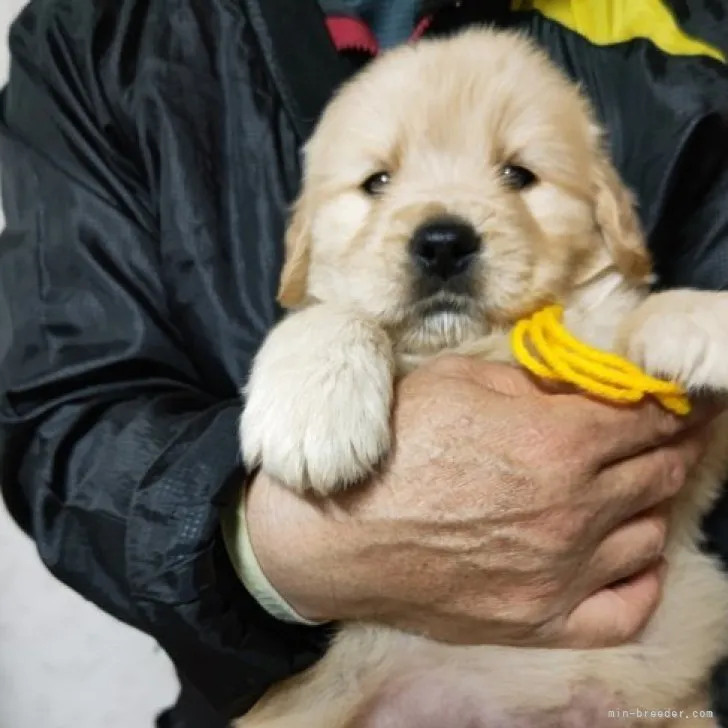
(681, 335)
(317, 416)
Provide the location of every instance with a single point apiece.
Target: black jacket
(149, 152)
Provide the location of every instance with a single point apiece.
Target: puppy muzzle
(443, 252)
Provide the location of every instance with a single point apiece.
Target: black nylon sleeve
(114, 454)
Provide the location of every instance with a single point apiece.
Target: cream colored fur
(443, 117)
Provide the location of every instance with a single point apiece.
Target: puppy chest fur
(431, 222)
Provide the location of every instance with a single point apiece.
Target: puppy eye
(375, 184)
(518, 178)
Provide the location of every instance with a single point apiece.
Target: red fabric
(422, 27)
(352, 34)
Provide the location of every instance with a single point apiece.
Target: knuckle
(655, 535)
(579, 442)
(673, 471)
(580, 431)
(664, 423)
(567, 515)
(556, 455)
(659, 475)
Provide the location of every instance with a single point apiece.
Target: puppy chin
(436, 329)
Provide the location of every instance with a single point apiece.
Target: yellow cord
(557, 355)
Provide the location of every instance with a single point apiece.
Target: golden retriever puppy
(451, 188)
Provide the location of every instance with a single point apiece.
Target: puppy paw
(682, 336)
(318, 402)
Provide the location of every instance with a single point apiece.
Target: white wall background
(63, 663)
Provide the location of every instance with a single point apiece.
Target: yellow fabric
(609, 22)
(543, 346)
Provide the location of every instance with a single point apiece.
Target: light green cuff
(245, 563)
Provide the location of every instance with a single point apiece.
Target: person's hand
(505, 515)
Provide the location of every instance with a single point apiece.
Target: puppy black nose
(444, 247)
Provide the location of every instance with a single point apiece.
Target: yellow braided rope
(557, 355)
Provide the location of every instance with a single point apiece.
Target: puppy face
(452, 187)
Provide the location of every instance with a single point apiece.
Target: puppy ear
(616, 217)
(294, 276)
